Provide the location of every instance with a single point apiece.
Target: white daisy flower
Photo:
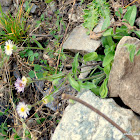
(23, 110)
(9, 47)
(24, 80)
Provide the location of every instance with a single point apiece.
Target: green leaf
(30, 52)
(75, 64)
(108, 32)
(138, 52)
(130, 15)
(36, 55)
(96, 9)
(108, 58)
(137, 33)
(120, 10)
(90, 17)
(32, 58)
(42, 120)
(103, 89)
(81, 2)
(1, 113)
(95, 90)
(119, 13)
(13, 129)
(27, 133)
(16, 137)
(131, 49)
(38, 44)
(48, 1)
(90, 56)
(37, 67)
(56, 81)
(131, 55)
(71, 101)
(107, 69)
(2, 138)
(37, 120)
(33, 36)
(39, 75)
(31, 74)
(74, 83)
(107, 40)
(121, 32)
(106, 23)
(45, 73)
(55, 76)
(88, 85)
(47, 99)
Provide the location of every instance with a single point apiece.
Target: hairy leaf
(97, 9)
(90, 17)
(90, 56)
(130, 15)
(74, 83)
(104, 89)
(131, 49)
(108, 58)
(75, 63)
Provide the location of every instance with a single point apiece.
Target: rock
(33, 9)
(80, 123)
(5, 2)
(124, 79)
(78, 40)
(98, 27)
(85, 70)
(138, 21)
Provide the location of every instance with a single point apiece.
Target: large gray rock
(124, 79)
(80, 123)
(78, 40)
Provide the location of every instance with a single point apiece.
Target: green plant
(27, 6)
(99, 80)
(126, 24)
(96, 10)
(13, 28)
(48, 1)
(132, 51)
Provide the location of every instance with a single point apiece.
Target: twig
(42, 35)
(66, 96)
(98, 35)
(130, 3)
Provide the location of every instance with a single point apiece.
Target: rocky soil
(56, 25)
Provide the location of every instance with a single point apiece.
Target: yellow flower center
(20, 84)
(24, 80)
(22, 109)
(8, 47)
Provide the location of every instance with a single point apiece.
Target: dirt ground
(50, 24)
